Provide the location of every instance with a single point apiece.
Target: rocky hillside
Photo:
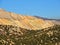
(17, 29)
(27, 22)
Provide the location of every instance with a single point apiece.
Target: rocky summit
(18, 29)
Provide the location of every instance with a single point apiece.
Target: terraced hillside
(12, 35)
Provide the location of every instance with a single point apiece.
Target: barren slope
(27, 22)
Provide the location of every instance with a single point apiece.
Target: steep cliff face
(27, 22)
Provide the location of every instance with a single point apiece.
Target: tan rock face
(27, 22)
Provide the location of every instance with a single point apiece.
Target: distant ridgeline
(13, 35)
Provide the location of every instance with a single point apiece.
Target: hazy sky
(42, 8)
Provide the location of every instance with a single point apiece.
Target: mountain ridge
(47, 18)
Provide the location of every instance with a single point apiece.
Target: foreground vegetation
(12, 35)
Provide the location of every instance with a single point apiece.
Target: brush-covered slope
(27, 22)
(12, 35)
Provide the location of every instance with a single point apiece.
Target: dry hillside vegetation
(12, 35)
(17, 29)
